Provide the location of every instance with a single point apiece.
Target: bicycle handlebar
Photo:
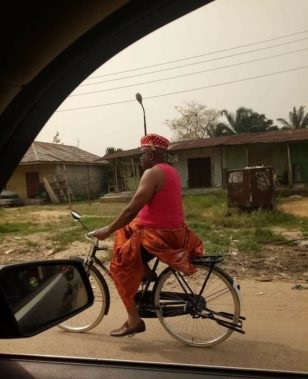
(95, 241)
(90, 237)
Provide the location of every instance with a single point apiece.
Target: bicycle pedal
(151, 279)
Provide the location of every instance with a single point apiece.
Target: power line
(188, 90)
(189, 74)
(201, 55)
(194, 63)
(231, 82)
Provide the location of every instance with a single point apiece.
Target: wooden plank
(50, 191)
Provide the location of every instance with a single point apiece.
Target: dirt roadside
(296, 205)
(287, 262)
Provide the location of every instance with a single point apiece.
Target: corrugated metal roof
(120, 154)
(40, 152)
(245, 138)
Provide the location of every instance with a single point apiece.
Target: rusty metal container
(251, 188)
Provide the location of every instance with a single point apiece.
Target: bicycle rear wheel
(92, 316)
(185, 313)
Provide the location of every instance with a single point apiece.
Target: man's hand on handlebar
(91, 234)
(100, 234)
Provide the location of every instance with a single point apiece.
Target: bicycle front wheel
(92, 316)
(185, 312)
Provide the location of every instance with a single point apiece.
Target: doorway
(199, 172)
(32, 184)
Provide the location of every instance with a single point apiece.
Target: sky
(227, 54)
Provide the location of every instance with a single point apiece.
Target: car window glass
(224, 56)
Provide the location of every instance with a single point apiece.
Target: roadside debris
(7, 252)
(299, 287)
(264, 279)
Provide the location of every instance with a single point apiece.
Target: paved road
(276, 336)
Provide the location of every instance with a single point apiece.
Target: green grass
(65, 236)
(21, 228)
(243, 231)
(206, 214)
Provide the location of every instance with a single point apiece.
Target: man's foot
(127, 330)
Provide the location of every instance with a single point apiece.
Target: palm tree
(232, 119)
(110, 150)
(243, 121)
(298, 119)
(219, 130)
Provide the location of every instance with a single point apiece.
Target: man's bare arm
(149, 184)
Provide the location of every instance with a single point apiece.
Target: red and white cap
(154, 141)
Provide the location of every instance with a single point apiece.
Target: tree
(297, 119)
(195, 121)
(244, 121)
(110, 150)
(56, 138)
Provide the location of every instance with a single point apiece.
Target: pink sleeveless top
(165, 208)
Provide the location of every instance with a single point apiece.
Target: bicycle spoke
(217, 293)
(187, 315)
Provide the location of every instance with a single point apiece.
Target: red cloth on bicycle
(175, 247)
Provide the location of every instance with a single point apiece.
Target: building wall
(83, 180)
(129, 170)
(240, 156)
(180, 159)
(17, 182)
(273, 154)
(276, 155)
(299, 160)
(234, 157)
(280, 158)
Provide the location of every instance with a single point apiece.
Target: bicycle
(202, 309)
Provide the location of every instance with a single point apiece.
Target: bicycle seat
(209, 259)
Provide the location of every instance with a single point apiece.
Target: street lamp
(139, 99)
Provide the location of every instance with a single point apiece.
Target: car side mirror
(35, 296)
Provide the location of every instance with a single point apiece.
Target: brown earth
(296, 205)
(285, 262)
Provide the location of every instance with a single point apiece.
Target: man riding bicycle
(152, 221)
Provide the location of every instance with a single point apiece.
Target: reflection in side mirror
(38, 295)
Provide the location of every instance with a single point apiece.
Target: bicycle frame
(92, 258)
